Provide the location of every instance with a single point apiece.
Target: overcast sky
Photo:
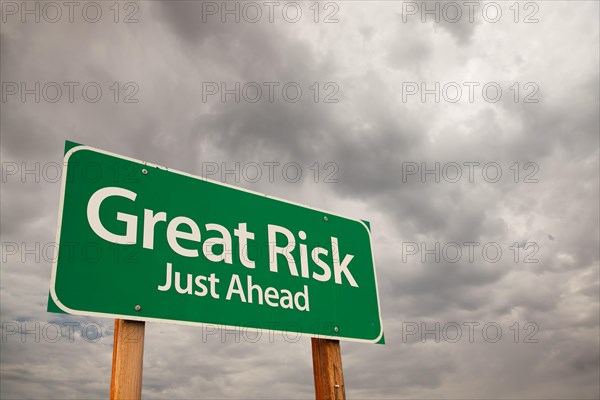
(386, 92)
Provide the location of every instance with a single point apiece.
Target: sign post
(128, 360)
(327, 369)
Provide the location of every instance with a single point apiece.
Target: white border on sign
(179, 322)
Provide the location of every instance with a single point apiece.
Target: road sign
(143, 242)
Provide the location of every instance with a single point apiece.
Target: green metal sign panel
(142, 242)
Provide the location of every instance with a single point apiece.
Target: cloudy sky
(479, 127)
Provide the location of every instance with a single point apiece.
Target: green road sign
(143, 242)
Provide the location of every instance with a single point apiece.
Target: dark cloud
(371, 135)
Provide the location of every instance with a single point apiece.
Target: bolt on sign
(143, 242)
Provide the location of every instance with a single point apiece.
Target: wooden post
(128, 360)
(327, 368)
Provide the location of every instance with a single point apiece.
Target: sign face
(142, 242)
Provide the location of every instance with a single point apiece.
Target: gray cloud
(371, 135)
